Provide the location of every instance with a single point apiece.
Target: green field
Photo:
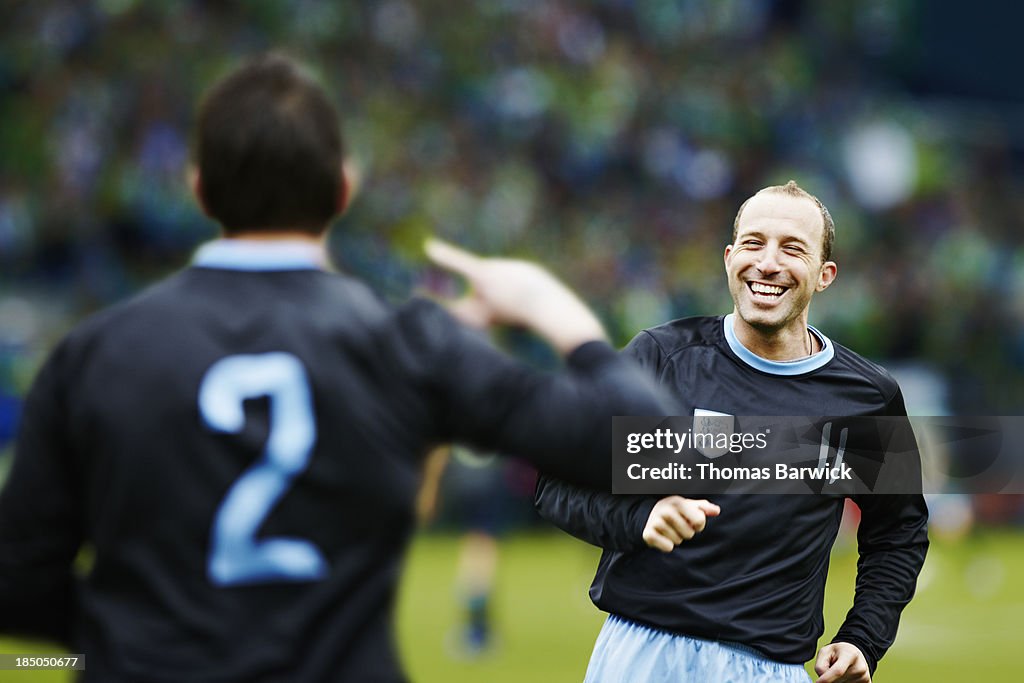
(967, 622)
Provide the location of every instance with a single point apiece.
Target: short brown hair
(793, 190)
(269, 149)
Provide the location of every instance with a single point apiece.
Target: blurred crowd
(612, 140)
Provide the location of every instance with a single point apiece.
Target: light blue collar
(778, 367)
(259, 255)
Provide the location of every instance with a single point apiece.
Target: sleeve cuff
(641, 513)
(864, 649)
(591, 354)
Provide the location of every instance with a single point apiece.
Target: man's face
(775, 264)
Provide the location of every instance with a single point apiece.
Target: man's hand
(676, 519)
(841, 663)
(521, 293)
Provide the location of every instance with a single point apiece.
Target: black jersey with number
(756, 574)
(239, 448)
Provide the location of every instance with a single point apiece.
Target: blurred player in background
(240, 445)
(481, 496)
(740, 598)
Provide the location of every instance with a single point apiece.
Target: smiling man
(779, 258)
(736, 591)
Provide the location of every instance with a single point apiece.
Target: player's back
(249, 458)
(241, 446)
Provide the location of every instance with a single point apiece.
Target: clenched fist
(676, 519)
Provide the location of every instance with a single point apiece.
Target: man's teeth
(773, 290)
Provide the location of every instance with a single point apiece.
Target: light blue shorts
(630, 653)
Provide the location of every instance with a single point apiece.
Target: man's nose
(769, 261)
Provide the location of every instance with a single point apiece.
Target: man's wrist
(864, 650)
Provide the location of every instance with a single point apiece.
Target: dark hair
(269, 149)
(793, 190)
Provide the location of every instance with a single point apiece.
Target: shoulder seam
(873, 378)
(666, 355)
(684, 347)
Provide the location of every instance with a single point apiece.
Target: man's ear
(195, 184)
(351, 178)
(343, 193)
(725, 257)
(827, 275)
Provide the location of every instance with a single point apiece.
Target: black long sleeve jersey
(756, 574)
(241, 445)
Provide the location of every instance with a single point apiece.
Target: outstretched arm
(559, 422)
(518, 293)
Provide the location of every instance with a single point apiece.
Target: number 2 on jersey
(237, 557)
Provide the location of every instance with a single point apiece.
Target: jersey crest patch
(714, 424)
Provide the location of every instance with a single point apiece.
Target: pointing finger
(709, 508)
(450, 257)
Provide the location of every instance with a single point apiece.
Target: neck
(779, 344)
(275, 235)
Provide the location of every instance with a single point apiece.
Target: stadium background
(612, 140)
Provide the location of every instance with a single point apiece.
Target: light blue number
(236, 556)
